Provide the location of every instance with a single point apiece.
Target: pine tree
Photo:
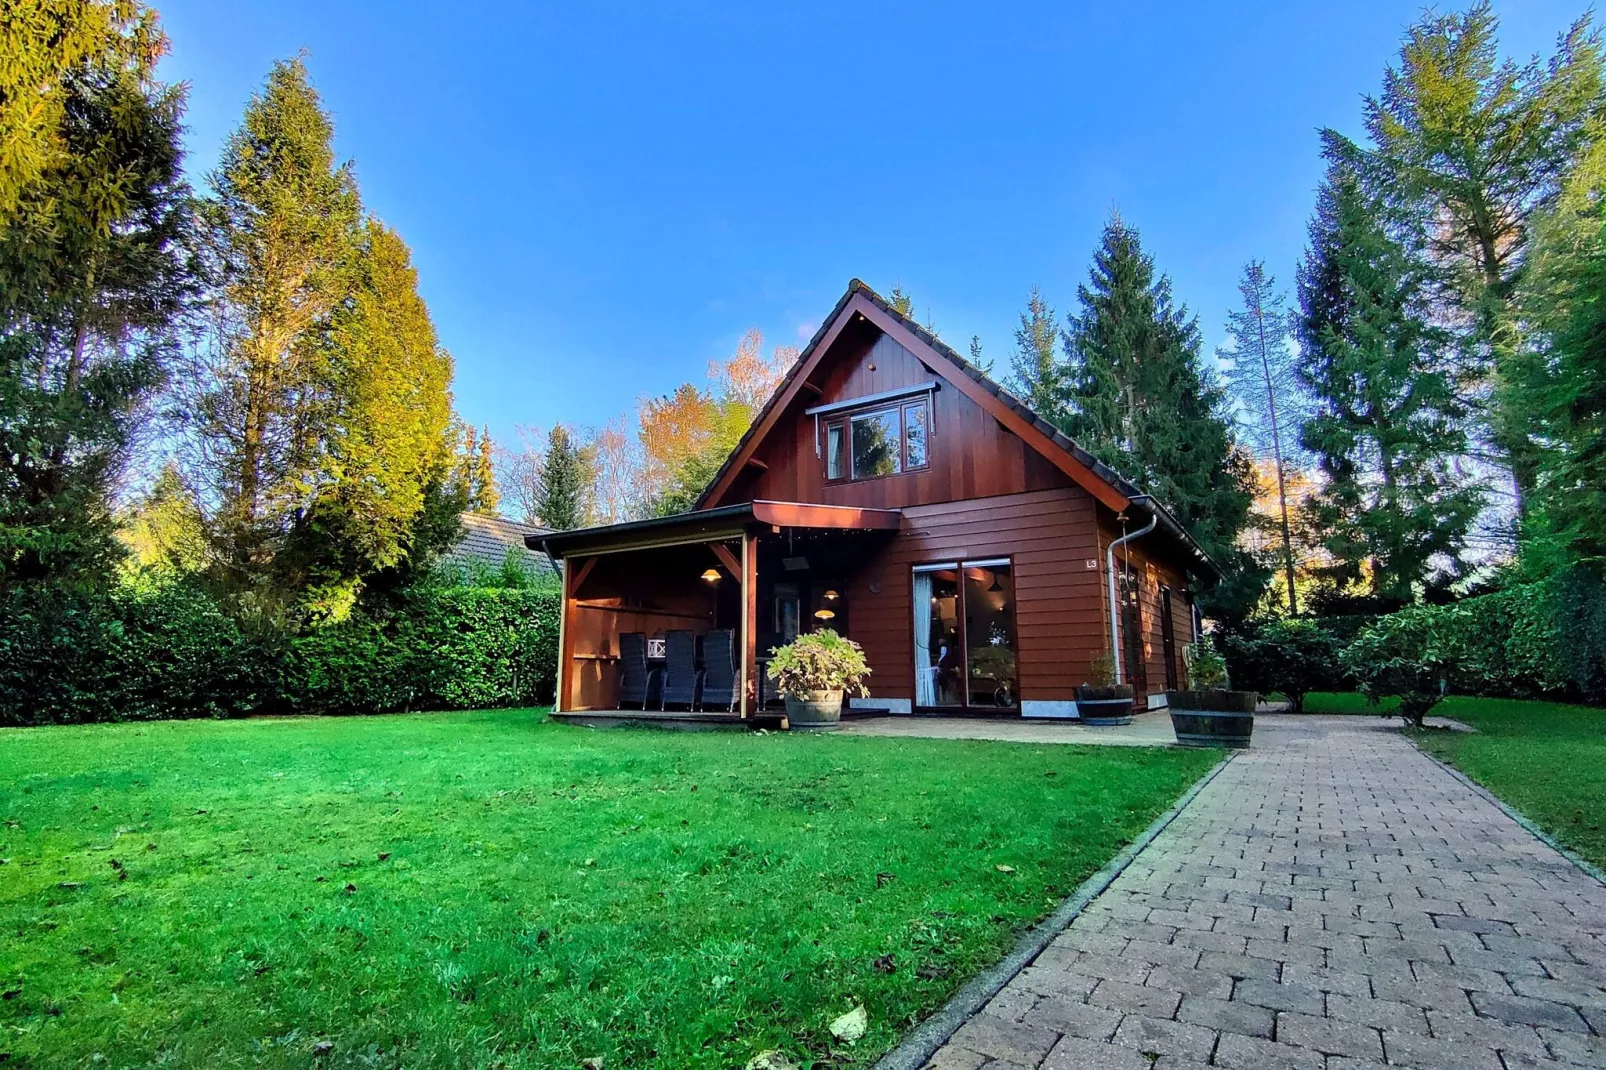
(282, 230)
(1386, 426)
(1260, 378)
(901, 302)
(485, 497)
(566, 478)
(1137, 396)
(982, 364)
(1559, 378)
(1468, 150)
(1035, 370)
(94, 270)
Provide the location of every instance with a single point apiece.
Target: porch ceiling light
(831, 596)
(824, 614)
(712, 575)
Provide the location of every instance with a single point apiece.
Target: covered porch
(706, 593)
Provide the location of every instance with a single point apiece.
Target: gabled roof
(1103, 482)
(488, 539)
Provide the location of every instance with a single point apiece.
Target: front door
(964, 637)
(1134, 661)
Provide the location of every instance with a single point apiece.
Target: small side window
(875, 444)
(833, 452)
(914, 436)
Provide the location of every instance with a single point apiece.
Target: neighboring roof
(1124, 487)
(712, 523)
(489, 538)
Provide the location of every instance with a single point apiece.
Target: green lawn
(489, 889)
(1546, 759)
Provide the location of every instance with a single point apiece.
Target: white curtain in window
(925, 671)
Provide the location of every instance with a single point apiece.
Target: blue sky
(602, 197)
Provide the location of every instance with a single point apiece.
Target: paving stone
(1329, 1036)
(1231, 1016)
(1428, 1053)
(1191, 982)
(1251, 1053)
(1074, 1053)
(1074, 1019)
(1574, 995)
(1005, 1040)
(952, 1057)
(1378, 1013)
(1279, 997)
(1159, 1036)
(1136, 999)
(1520, 1010)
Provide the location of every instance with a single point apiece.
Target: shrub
(162, 649)
(1207, 669)
(1292, 657)
(819, 661)
(1403, 654)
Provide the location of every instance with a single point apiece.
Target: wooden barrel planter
(1102, 707)
(1212, 718)
(814, 711)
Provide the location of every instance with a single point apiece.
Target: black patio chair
(719, 670)
(680, 670)
(637, 682)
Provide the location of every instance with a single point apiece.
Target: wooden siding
(1153, 573)
(1048, 535)
(972, 454)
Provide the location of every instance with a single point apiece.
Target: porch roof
(709, 525)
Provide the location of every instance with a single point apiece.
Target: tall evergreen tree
(94, 269)
(1035, 369)
(566, 479)
(1260, 378)
(282, 234)
(385, 436)
(1559, 375)
(1468, 150)
(1386, 428)
(1137, 395)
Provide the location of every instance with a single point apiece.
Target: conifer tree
(1137, 396)
(1261, 379)
(1386, 424)
(1468, 149)
(1035, 366)
(566, 479)
(282, 233)
(94, 269)
(386, 435)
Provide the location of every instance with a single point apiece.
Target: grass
(1347, 702)
(1546, 759)
(489, 889)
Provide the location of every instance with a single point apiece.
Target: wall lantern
(712, 575)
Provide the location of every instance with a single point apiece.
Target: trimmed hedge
(152, 651)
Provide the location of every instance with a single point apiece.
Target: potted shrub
(1102, 701)
(1208, 714)
(814, 671)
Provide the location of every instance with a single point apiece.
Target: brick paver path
(1332, 900)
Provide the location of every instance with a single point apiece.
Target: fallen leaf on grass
(771, 1060)
(885, 964)
(69, 885)
(384, 856)
(350, 888)
(1005, 869)
(883, 879)
(593, 1063)
(323, 1047)
(851, 1026)
(931, 971)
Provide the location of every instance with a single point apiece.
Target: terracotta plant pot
(1104, 706)
(815, 711)
(1212, 718)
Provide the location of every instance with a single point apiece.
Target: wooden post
(560, 695)
(749, 625)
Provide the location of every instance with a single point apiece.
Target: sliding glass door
(964, 636)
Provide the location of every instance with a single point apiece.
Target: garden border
(922, 1042)
(1584, 864)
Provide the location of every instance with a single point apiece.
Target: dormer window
(882, 440)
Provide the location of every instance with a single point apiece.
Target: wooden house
(890, 490)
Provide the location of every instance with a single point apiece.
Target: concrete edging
(922, 1042)
(1588, 867)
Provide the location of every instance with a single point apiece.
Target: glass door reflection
(989, 630)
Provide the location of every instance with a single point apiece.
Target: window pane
(833, 452)
(914, 435)
(990, 635)
(875, 444)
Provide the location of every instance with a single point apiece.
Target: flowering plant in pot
(1099, 699)
(1208, 714)
(814, 671)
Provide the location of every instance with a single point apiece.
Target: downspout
(1115, 605)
